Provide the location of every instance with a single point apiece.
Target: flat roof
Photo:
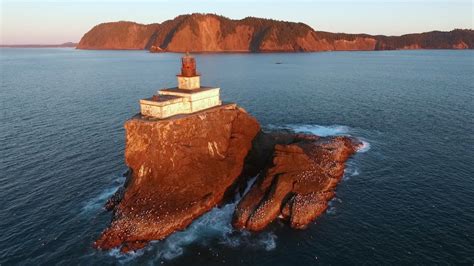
(162, 98)
(201, 89)
(183, 76)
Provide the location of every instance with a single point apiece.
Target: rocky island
(213, 33)
(188, 152)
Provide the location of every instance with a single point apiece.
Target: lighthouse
(188, 97)
(188, 79)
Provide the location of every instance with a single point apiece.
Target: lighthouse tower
(189, 79)
(189, 97)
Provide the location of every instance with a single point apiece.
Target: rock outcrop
(212, 33)
(183, 166)
(179, 169)
(299, 183)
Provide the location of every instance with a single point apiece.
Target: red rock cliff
(183, 166)
(212, 33)
(121, 35)
(180, 168)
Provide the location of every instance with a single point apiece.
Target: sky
(56, 21)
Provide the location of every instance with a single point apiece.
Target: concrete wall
(205, 103)
(194, 96)
(188, 103)
(165, 111)
(189, 83)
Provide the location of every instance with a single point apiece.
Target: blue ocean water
(408, 199)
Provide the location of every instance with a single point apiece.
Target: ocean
(408, 198)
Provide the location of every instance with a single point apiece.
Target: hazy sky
(55, 21)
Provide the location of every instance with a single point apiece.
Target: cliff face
(212, 33)
(180, 169)
(118, 36)
(183, 166)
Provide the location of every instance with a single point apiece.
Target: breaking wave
(365, 146)
(99, 201)
(124, 258)
(350, 170)
(214, 227)
(323, 131)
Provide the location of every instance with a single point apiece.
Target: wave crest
(323, 131)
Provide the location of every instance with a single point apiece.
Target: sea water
(406, 197)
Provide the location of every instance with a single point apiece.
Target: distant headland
(214, 33)
(62, 45)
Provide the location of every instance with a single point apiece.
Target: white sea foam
(212, 227)
(323, 131)
(350, 171)
(365, 146)
(99, 201)
(125, 258)
(331, 210)
(214, 224)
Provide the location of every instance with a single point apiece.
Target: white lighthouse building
(188, 97)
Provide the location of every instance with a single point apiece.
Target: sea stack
(187, 152)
